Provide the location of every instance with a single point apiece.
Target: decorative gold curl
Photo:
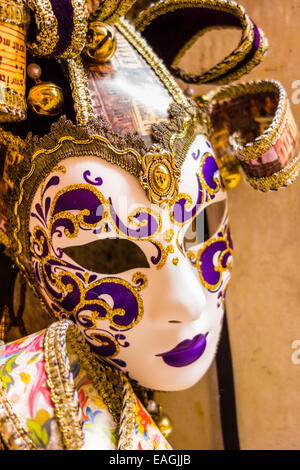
(195, 259)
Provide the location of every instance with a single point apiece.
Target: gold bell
(101, 42)
(164, 423)
(45, 98)
(230, 174)
(228, 163)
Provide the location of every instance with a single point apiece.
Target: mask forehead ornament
(159, 176)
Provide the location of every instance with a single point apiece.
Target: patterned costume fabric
(24, 383)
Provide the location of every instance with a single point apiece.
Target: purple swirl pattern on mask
(54, 181)
(209, 184)
(98, 180)
(39, 244)
(210, 176)
(219, 248)
(196, 155)
(156, 259)
(72, 291)
(179, 212)
(149, 224)
(210, 170)
(208, 269)
(106, 347)
(119, 362)
(122, 299)
(79, 199)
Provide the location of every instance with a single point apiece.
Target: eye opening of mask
(108, 256)
(205, 224)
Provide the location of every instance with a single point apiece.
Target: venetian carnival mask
(144, 283)
(132, 242)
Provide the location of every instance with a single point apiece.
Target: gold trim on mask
(159, 176)
(163, 7)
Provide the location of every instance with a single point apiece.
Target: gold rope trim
(80, 25)
(10, 140)
(111, 10)
(155, 63)
(266, 140)
(230, 61)
(47, 37)
(81, 96)
(13, 106)
(14, 12)
(278, 180)
(63, 395)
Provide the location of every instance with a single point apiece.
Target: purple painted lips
(186, 352)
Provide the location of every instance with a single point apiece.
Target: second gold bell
(101, 42)
(45, 98)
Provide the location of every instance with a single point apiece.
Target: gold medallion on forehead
(159, 176)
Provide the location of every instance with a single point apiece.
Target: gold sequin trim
(157, 65)
(80, 25)
(13, 11)
(81, 96)
(127, 427)
(62, 388)
(262, 143)
(111, 10)
(278, 180)
(47, 37)
(229, 62)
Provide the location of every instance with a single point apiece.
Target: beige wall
(264, 297)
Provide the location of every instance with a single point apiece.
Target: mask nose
(179, 295)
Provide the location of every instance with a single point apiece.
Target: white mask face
(144, 283)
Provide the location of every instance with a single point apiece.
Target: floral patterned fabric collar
(27, 415)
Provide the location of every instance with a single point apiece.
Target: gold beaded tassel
(14, 19)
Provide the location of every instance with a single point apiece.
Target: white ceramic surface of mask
(159, 316)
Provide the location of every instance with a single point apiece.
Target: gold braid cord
(228, 69)
(47, 27)
(254, 119)
(110, 383)
(62, 388)
(109, 11)
(48, 35)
